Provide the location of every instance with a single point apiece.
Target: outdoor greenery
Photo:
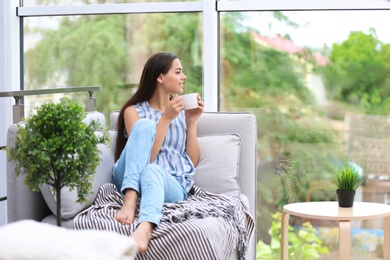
(303, 242)
(359, 72)
(294, 180)
(55, 147)
(109, 51)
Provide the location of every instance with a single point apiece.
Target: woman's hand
(171, 111)
(173, 108)
(192, 115)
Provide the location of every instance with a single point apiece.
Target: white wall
(9, 80)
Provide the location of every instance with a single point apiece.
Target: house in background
(303, 56)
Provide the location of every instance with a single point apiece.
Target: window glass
(107, 51)
(31, 3)
(318, 83)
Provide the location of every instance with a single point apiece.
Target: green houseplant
(347, 179)
(304, 242)
(55, 147)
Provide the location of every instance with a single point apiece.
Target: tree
(358, 72)
(85, 51)
(110, 51)
(55, 147)
(252, 73)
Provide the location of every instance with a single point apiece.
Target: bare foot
(142, 236)
(126, 214)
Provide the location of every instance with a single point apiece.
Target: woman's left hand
(193, 114)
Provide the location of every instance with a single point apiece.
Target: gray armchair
(228, 166)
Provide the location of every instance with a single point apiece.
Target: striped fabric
(204, 226)
(172, 156)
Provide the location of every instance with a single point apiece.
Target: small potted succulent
(347, 178)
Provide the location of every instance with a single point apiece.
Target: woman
(157, 153)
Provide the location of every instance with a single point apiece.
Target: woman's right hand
(173, 108)
(171, 111)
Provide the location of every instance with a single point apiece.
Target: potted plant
(347, 179)
(54, 146)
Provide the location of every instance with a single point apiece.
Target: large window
(318, 83)
(316, 75)
(107, 51)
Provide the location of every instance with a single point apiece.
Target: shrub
(56, 147)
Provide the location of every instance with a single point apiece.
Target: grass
(347, 178)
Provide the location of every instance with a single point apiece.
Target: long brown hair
(158, 63)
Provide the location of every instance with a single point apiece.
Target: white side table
(330, 210)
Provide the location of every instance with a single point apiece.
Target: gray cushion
(69, 206)
(218, 167)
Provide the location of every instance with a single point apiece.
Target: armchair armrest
(21, 202)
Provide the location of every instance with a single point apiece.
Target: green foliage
(80, 47)
(294, 180)
(55, 147)
(180, 34)
(292, 134)
(264, 71)
(270, 84)
(359, 72)
(111, 50)
(85, 51)
(303, 242)
(347, 178)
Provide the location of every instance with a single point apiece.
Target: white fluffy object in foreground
(28, 239)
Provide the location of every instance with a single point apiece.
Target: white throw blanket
(28, 239)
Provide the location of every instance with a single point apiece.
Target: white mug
(190, 101)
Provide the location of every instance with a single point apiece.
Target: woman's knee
(152, 169)
(152, 172)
